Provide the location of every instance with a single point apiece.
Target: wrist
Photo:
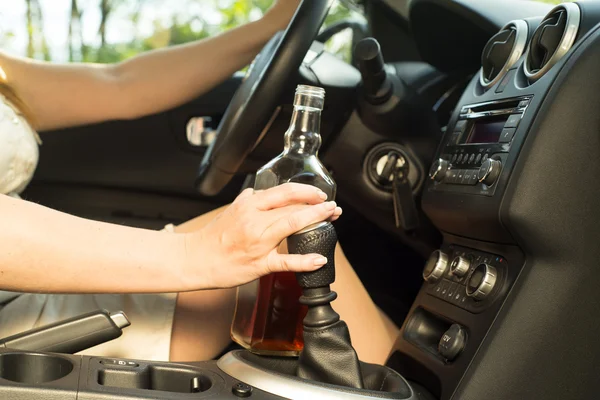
(195, 262)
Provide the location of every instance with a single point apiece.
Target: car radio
(475, 149)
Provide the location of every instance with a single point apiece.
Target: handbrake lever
(72, 335)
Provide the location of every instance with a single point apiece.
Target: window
(107, 31)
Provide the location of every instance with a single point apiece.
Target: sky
(56, 17)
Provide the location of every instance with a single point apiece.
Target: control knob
(439, 169)
(460, 266)
(489, 171)
(436, 266)
(481, 282)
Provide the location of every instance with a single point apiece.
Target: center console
(469, 333)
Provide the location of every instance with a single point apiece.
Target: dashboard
(507, 309)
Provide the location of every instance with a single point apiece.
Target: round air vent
(502, 51)
(552, 39)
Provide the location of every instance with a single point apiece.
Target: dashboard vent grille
(552, 39)
(502, 51)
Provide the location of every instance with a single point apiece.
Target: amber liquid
(268, 317)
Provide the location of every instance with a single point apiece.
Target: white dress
(151, 316)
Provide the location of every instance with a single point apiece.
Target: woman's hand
(281, 12)
(240, 244)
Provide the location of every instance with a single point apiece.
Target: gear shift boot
(277, 375)
(328, 355)
(328, 366)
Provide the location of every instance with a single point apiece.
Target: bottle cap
(310, 97)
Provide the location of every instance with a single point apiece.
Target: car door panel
(144, 159)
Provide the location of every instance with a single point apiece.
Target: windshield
(106, 31)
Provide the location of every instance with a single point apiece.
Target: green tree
(180, 29)
(36, 41)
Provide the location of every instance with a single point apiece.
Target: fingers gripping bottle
(268, 317)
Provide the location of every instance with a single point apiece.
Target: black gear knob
(321, 240)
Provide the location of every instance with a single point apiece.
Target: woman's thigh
(372, 332)
(202, 324)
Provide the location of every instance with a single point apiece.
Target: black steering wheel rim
(253, 104)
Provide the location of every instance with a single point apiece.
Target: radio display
(486, 130)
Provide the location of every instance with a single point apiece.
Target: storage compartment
(33, 369)
(162, 378)
(425, 330)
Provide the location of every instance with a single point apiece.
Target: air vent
(502, 51)
(552, 39)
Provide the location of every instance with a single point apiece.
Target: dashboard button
(454, 157)
(459, 176)
(452, 290)
(445, 286)
(459, 295)
(468, 175)
(473, 179)
(461, 126)
(454, 138)
(507, 134)
(452, 174)
(478, 158)
(459, 159)
(120, 363)
(471, 158)
(513, 121)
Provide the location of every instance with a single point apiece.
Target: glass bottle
(268, 317)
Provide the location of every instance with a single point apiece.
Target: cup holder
(160, 378)
(33, 369)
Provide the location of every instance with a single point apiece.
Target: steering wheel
(257, 97)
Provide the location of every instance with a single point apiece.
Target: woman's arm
(42, 250)
(77, 94)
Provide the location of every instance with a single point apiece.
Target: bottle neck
(303, 136)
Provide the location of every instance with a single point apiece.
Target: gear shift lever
(328, 355)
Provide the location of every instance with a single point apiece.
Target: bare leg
(373, 334)
(202, 319)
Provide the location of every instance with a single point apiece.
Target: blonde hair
(11, 95)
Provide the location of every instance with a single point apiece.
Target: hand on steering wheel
(258, 96)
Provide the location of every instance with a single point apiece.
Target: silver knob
(481, 282)
(489, 171)
(439, 169)
(436, 266)
(460, 266)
